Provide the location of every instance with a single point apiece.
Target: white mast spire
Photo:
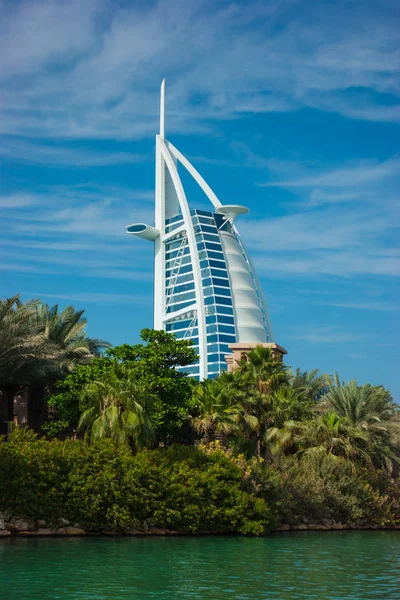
(162, 110)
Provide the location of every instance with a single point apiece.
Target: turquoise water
(337, 565)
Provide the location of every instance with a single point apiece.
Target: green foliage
(39, 344)
(153, 367)
(103, 486)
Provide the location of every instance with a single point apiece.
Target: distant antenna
(162, 110)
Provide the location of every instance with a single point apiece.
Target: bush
(105, 487)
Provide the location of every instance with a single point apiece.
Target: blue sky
(291, 108)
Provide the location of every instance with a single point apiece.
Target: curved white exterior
(249, 317)
(205, 287)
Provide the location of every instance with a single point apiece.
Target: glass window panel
(209, 229)
(217, 264)
(213, 245)
(226, 329)
(206, 220)
(230, 339)
(183, 288)
(183, 296)
(223, 319)
(171, 256)
(173, 219)
(224, 348)
(183, 269)
(185, 278)
(216, 255)
(227, 310)
(223, 291)
(220, 282)
(211, 319)
(222, 300)
(209, 300)
(208, 291)
(174, 307)
(212, 338)
(211, 238)
(212, 348)
(172, 227)
(219, 273)
(178, 325)
(173, 244)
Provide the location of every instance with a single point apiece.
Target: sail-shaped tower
(205, 286)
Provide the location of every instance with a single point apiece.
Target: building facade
(205, 286)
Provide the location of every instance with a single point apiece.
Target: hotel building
(205, 286)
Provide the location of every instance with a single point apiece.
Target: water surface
(304, 565)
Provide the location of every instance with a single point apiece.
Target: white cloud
(352, 176)
(56, 156)
(91, 69)
(88, 298)
(20, 200)
(326, 335)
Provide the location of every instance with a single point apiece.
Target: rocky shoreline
(40, 528)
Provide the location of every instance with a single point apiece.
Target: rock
(23, 525)
(74, 531)
(64, 522)
(327, 522)
(44, 531)
(157, 531)
(2, 524)
(4, 533)
(299, 527)
(337, 526)
(109, 532)
(133, 532)
(283, 527)
(40, 523)
(61, 531)
(317, 527)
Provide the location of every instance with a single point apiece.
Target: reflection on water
(309, 565)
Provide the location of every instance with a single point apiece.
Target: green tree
(286, 406)
(118, 408)
(25, 351)
(66, 330)
(259, 376)
(310, 383)
(155, 365)
(217, 416)
(370, 409)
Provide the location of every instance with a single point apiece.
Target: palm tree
(310, 382)
(25, 351)
(364, 405)
(264, 369)
(261, 375)
(330, 434)
(67, 331)
(287, 405)
(217, 415)
(371, 409)
(118, 408)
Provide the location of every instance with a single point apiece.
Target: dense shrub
(105, 487)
